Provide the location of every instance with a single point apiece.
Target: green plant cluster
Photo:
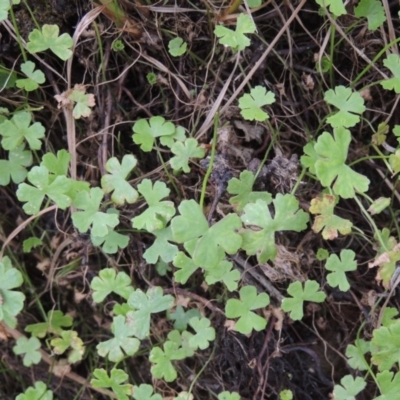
(184, 239)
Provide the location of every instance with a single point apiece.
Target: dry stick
(48, 360)
(208, 122)
(389, 21)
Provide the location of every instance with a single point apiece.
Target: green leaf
(161, 248)
(15, 167)
(349, 389)
(177, 47)
(242, 188)
(387, 342)
(287, 217)
(5, 6)
(39, 392)
(373, 11)
(90, 202)
(146, 304)
(250, 104)
(349, 104)
(145, 392)
(335, 6)
(157, 215)
(204, 333)
(209, 241)
(299, 296)
(145, 131)
(236, 39)
(388, 385)
(182, 318)
(223, 272)
(163, 368)
(389, 315)
(243, 309)
(392, 62)
(109, 282)
(186, 267)
(57, 165)
(28, 347)
(114, 381)
(122, 344)
(229, 395)
(178, 136)
(183, 342)
(48, 38)
(286, 394)
(329, 156)
(55, 323)
(253, 4)
(355, 354)
(327, 222)
(116, 180)
(43, 185)
(69, 340)
(11, 302)
(34, 78)
(340, 267)
(183, 152)
(83, 101)
(18, 129)
(31, 243)
(111, 242)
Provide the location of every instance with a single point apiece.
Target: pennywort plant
(183, 240)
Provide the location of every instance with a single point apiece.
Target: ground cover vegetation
(199, 200)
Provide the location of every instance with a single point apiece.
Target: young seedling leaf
(182, 318)
(163, 367)
(57, 165)
(44, 184)
(109, 282)
(83, 101)
(336, 7)
(5, 6)
(287, 217)
(349, 388)
(387, 350)
(122, 344)
(355, 354)
(158, 214)
(11, 302)
(183, 342)
(15, 167)
(91, 216)
(145, 392)
(55, 323)
(250, 104)
(48, 38)
(34, 78)
(373, 11)
(178, 136)
(339, 267)
(392, 62)
(145, 131)
(116, 181)
(28, 347)
(69, 340)
(31, 243)
(204, 333)
(18, 129)
(299, 295)
(349, 104)
(329, 155)
(327, 222)
(177, 47)
(146, 304)
(236, 39)
(183, 152)
(242, 188)
(112, 242)
(161, 248)
(186, 267)
(115, 381)
(243, 309)
(389, 315)
(39, 392)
